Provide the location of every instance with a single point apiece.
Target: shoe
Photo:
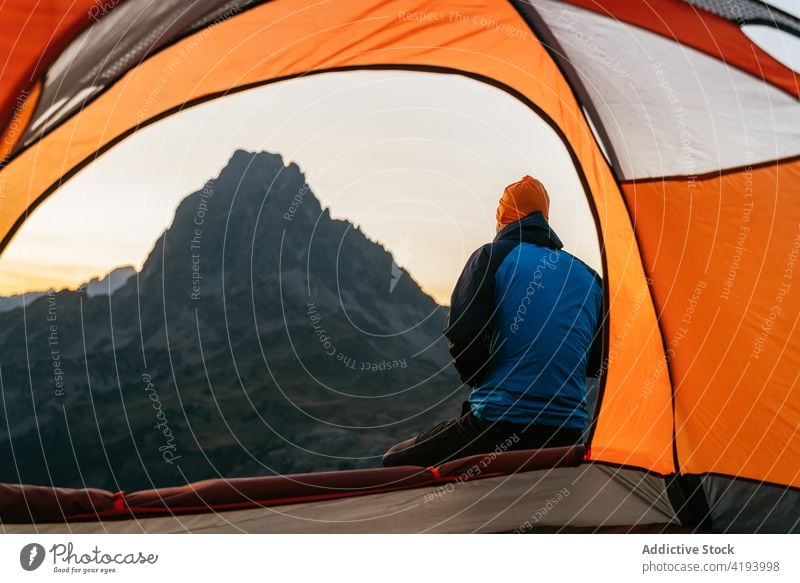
(390, 458)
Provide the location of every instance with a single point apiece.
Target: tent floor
(585, 498)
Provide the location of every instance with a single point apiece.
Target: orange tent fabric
(725, 262)
(687, 352)
(23, 110)
(289, 38)
(32, 34)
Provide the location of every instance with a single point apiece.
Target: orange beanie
(523, 198)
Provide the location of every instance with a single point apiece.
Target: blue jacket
(524, 328)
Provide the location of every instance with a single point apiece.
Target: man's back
(522, 328)
(547, 306)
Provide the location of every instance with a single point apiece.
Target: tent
(684, 134)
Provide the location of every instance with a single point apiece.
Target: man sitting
(523, 331)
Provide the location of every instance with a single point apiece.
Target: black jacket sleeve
(595, 366)
(471, 308)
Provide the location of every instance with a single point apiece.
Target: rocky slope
(261, 336)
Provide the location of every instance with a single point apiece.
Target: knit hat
(523, 198)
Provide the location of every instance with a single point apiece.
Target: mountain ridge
(272, 345)
(109, 283)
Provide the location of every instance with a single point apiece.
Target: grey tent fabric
(118, 41)
(750, 12)
(748, 506)
(561, 499)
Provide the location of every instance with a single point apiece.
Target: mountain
(260, 336)
(110, 283)
(94, 287)
(12, 302)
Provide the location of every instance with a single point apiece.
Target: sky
(393, 152)
(417, 160)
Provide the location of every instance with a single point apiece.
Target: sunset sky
(393, 152)
(417, 160)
